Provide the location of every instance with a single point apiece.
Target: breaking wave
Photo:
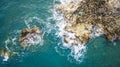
(74, 52)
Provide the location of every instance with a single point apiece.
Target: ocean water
(16, 15)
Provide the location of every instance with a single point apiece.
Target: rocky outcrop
(29, 36)
(5, 54)
(92, 17)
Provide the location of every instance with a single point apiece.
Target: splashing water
(77, 51)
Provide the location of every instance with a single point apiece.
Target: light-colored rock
(85, 15)
(81, 31)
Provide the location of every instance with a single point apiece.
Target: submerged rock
(30, 37)
(5, 54)
(90, 18)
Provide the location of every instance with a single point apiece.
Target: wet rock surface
(30, 36)
(5, 54)
(88, 17)
(27, 38)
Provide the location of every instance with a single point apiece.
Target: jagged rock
(81, 33)
(28, 36)
(103, 14)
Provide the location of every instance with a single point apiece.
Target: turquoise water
(16, 15)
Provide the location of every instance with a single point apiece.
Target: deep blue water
(16, 15)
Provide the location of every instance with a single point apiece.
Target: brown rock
(82, 15)
(28, 34)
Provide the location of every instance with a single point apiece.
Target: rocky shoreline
(91, 17)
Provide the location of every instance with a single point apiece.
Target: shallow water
(16, 15)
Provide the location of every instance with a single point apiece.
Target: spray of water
(77, 51)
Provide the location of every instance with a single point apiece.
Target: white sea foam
(12, 45)
(30, 23)
(6, 57)
(96, 32)
(77, 50)
(35, 40)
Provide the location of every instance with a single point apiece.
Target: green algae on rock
(89, 17)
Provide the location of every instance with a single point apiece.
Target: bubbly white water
(6, 57)
(12, 42)
(96, 32)
(77, 51)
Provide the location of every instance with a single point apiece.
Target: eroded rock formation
(91, 16)
(29, 36)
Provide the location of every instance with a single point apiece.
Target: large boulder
(29, 36)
